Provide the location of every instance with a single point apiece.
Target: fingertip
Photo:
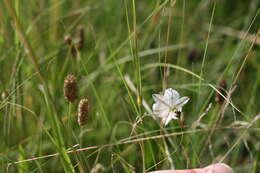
(215, 168)
(220, 168)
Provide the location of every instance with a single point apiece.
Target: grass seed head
(80, 38)
(193, 55)
(83, 109)
(68, 40)
(70, 44)
(222, 87)
(70, 88)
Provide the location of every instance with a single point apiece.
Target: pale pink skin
(216, 168)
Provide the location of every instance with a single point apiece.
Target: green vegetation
(122, 52)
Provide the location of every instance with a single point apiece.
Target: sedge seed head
(83, 110)
(222, 87)
(193, 55)
(71, 45)
(80, 38)
(68, 40)
(70, 88)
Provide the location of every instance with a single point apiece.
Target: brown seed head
(70, 44)
(222, 87)
(193, 55)
(80, 38)
(70, 88)
(83, 110)
(68, 39)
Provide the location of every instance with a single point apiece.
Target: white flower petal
(159, 106)
(162, 113)
(169, 92)
(157, 97)
(164, 121)
(166, 105)
(167, 120)
(171, 96)
(173, 115)
(181, 102)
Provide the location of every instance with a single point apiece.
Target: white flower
(168, 105)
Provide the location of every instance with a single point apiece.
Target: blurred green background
(132, 49)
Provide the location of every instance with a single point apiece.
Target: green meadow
(118, 53)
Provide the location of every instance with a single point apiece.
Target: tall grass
(132, 49)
